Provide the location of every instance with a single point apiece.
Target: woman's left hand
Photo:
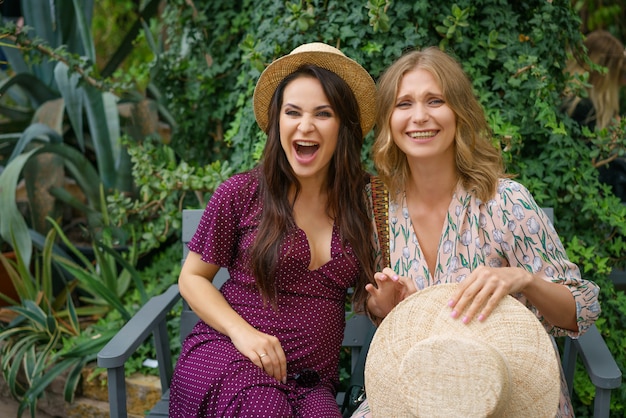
(390, 290)
(481, 291)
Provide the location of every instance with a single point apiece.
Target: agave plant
(52, 94)
(46, 337)
(31, 342)
(104, 281)
(40, 151)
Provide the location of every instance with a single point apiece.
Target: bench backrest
(357, 333)
(600, 365)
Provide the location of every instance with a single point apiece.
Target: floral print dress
(509, 230)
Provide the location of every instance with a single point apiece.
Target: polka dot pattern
(212, 379)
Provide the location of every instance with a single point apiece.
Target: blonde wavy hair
(479, 163)
(606, 50)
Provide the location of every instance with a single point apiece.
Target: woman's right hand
(195, 285)
(262, 349)
(390, 290)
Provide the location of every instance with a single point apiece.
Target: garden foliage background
(199, 60)
(514, 52)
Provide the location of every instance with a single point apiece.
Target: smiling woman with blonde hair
(479, 163)
(455, 216)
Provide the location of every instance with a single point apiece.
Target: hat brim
(359, 80)
(512, 329)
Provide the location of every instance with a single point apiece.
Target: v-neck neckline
(333, 244)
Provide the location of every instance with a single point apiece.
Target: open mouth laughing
(306, 148)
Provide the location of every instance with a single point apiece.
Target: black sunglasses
(307, 378)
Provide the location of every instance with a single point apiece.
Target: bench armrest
(599, 364)
(151, 318)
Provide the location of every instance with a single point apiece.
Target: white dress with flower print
(509, 230)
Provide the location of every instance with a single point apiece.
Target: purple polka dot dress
(211, 378)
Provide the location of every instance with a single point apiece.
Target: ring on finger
(262, 355)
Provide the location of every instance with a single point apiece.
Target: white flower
(405, 252)
(495, 262)
(466, 237)
(420, 282)
(457, 210)
(482, 220)
(518, 212)
(537, 264)
(512, 225)
(487, 249)
(447, 246)
(572, 274)
(550, 271)
(533, 225)
(594, 307)
(453, 264)
(405, 213)
(497, 235)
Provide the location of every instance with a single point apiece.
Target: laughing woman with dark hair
(295, 233)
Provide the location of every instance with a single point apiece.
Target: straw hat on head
(324, 56)
(423, 363)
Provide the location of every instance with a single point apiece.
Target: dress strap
(380, 199)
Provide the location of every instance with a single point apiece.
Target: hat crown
(480, 373)
(316, 47)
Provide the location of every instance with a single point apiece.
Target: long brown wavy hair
(347, 200)
(606, 50)
(479, 163)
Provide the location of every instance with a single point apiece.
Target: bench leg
(570, 353)
(117, 392)
(602, 403)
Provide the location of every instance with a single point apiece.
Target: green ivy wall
(514, 52)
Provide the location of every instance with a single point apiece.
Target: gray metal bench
(151, 319)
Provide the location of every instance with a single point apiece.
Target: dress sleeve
(530, 241)
(216, 238)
